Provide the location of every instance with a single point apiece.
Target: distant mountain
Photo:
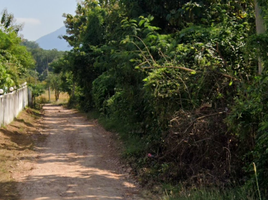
(52, 41)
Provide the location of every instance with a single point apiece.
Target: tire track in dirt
(75, 162)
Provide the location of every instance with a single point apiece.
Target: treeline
(179, 80)
(41, 75)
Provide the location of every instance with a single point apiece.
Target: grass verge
(237, 193)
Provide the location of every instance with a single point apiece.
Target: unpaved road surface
(76, 161)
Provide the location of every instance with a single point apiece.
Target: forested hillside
(179, 80)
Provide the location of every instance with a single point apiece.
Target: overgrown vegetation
(179, 80)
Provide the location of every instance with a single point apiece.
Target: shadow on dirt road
(76, 161)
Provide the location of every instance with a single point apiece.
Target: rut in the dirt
(75, 162)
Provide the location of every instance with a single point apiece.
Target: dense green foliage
(179, 80)
(15, 60)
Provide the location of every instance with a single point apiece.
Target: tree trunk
(49, 93)
(57, 94)
(260, 28)
(73, 91)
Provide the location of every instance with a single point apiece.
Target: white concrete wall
(12, 104)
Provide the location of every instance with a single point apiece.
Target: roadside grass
(237, 193)
(16, 144)
(133, 146)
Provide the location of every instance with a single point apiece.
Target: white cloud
(31, 21)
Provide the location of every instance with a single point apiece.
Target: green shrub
(249, 121)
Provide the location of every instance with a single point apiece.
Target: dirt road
(76, 161)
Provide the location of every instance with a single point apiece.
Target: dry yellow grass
(64, 97)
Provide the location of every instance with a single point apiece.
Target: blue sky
(39, 17)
